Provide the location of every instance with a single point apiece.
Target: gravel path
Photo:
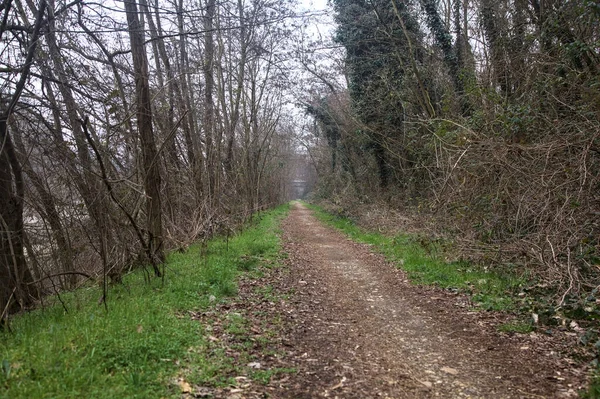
(355, 328)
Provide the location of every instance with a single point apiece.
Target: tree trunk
(50, 211)
(152, 180)
(160, 54)
(191, 136)
(495, 35)
(87, 182)
(236, 92)
(209, 128)
(451, 58)
(15, 276)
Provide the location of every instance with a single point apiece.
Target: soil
(353, 326)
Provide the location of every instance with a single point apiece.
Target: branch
(28, 61)
(58, 275)
(319, 76)
(5, 5)
(106, 181)
(20, 28)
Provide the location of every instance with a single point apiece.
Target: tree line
(131, 127)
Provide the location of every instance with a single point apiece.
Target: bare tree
(15, 275)
(152, 178)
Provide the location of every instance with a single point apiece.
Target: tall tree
(209, 107)
(152, 178)
(15, 276)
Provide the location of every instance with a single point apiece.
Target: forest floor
(351, 325)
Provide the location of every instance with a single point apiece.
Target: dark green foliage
(518, 327)
(377, 58)
(330, 127)
(444, 41)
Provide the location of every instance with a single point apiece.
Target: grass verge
(424, 263)
(139, 347)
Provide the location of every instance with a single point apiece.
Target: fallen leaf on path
(254, 365)
(426, 383)
(184, 386)
(338, 385)
(449, 370)
(575, 326)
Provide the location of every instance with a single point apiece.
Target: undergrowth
(138, 347)
(424, 263)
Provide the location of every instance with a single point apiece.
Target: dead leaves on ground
(243, 336)
(239, 390)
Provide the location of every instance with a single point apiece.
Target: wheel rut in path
(356, 328)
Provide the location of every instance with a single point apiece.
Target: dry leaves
(449, 370)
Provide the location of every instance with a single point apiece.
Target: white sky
(314, 4)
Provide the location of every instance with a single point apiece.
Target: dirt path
(355, 328)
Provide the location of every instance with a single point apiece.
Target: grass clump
(519, 327)
(138, 347)
(593, 391)
(424, 263)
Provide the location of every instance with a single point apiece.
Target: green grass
(146, 339)
(519, 327)
(264, 376)
(424, 263)
(593, 391)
